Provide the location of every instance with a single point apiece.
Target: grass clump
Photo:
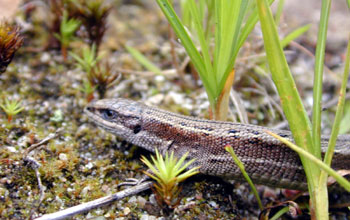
(93, 15)
(214, 58)
(99, 75)
(88, 59)
(11, 108)
(307, 135)
(167, 172)
(68, 27)
(88, 90)
(10, 41)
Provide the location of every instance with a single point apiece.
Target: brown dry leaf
(8, 8)
(294, 209)
(342, 173)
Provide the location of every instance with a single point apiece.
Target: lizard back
(267, 160)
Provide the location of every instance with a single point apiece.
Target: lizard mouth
(96, 115)
(92, 113)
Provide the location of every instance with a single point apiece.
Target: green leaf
(294, 35)
(209, 73)
(12, 107)
(293, 108)
(166, 170)
(188, 44)
(279, 12)
(143, 60)
(344, 124)
(245, 31)
(318, 76)
(339, 112)
(280, 213)
(245, 174)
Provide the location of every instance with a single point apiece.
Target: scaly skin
(267, 160)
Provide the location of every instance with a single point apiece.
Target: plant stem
(318, 77)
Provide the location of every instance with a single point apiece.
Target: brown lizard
(267, 160)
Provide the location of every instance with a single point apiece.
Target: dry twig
(84, 207)
(35, 165)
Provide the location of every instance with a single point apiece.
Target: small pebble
(85, 190)
(11, 149)
(45, 58)
(89, 165)
(159, 78)
(213, 204)
(177, 98)
(105, 188)
(148, 217)
(63, 157)
(152, 199)
(155, 100)
(126, 211)
(141, 201)
(132, 199)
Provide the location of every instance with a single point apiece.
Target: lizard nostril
(90, 109)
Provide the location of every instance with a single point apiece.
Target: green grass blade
(234, 50)
(188, 44)
(279, 12)
(344, 124)
(245, 31)
(291, 102)
(203, 43)
(210, 19)
(143, 60)
(227, 22)
(186, 15)
(340, 109)
(245, 174)
(318, 76)
(294, 35)
(281, 212)
(242, 12)
(248, 27)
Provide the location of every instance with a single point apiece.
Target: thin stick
(84, 207)
(35, 165)
(42, 142)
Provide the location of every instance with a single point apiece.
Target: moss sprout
(11, 108)
(168, 174)
(10, 41)
(93, 15)
(102, 77)
(68, 27)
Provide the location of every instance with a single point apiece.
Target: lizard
(267, 160)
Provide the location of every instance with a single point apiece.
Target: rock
(126, 211)
(63, 157)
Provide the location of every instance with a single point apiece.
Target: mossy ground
(85, 163)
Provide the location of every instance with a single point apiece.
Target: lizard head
(119, 116)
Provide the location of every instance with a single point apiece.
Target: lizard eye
(108, 114)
